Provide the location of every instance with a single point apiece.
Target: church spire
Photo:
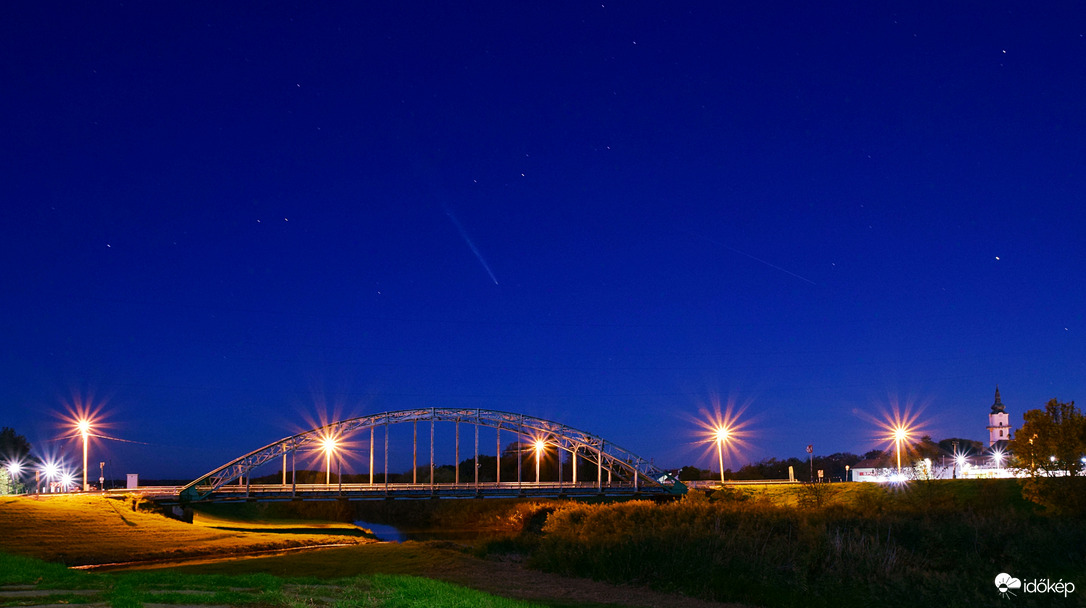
(997, 407)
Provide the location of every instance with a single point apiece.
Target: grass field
(834, 545)
(90, 530)
(30, 582)
(82, 529)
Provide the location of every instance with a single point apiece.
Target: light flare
(722, 433)
(897, 426)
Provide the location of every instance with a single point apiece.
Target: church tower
(999, 427)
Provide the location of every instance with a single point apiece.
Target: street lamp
(539, 446)
(84, 429)
(50, 470)
(900, 434)
(723, 433)
(14, 467)
(328, 444)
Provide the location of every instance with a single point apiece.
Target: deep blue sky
(220, 219)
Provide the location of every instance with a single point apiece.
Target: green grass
(398, 591)
(134, 589)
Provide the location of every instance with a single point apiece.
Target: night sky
(223, 221)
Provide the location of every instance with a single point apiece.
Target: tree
(1050, 446)
(7, 484)
(13, 446)
(958, 445)
(1052, 441)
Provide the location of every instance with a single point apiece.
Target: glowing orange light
(722, 429)
(84, 425)
(329, 444)
(897, 426)
(723, 434)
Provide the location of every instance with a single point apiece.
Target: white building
(999, 425)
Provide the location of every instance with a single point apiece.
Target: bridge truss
(625, 471)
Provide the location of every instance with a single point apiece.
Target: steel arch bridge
(626, 472)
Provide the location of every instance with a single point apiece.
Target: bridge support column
(558, 454)
(415, 454)
(498, 451)
(456, 463)
(476, 450)
(386, 455)
(599, 469)
(573, 461)
(431, 450)
(284, 467)
(293, 472)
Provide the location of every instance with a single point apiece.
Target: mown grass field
(83, 529)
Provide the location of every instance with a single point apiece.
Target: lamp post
(722, 434)
(329, 446)
(50, 472)
(900, 434)
(84, 429)
(539, 446)
(14, 468)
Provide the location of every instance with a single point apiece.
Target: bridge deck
(365, 491)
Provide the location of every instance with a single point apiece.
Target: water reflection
(389, 533)
(383, 532)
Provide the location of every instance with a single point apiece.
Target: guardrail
(364, 491)
(708, 485)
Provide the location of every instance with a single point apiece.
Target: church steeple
(997, 407)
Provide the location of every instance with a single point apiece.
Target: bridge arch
(620, 464)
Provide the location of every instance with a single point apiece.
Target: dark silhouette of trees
(13, 446)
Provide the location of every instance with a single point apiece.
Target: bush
(837, 555)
